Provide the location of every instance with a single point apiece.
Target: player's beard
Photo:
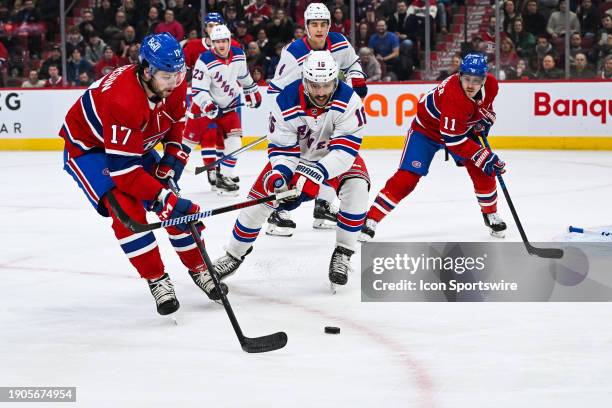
(160, 93)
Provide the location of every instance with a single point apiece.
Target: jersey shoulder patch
(298, 50)
(208, 57)
(288, 101)
(237, 51)
(338, 42)
(343, 93)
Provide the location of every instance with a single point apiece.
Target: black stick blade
(264, 344)
(553, 253)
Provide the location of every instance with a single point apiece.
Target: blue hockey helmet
(162, 53)
(214, 18)
(474, 64)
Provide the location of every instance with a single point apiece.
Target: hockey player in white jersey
(314, 136)
(317, 19)
(219, 77)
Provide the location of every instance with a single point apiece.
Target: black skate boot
(236, 179)
(324, 216)
(495, 224)
(212, 179)
(205, 282)
(368, 230)
(162, 290)
(280, 224)
(340, 265)
(228, 264)
(225, 185)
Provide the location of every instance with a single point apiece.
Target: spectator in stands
(575, 47)
(370, 18)
(54, 79)
(109, 62)
(580, 69)
(606, 70)
(400, 24)
(255, 57)
(55, 58)
(520, 72)
(371, 66)
(274, 60)
(298, 32)
(488, 38)
(280, 29)
(606, 30)
(242, 35)
(88, 25)
(556, 22)
(76, 65)
(588, 16)
(340, 23)
(231, 18)
(264, 43)
(128, 38)
(147, 26)
(534, 21)
(362, 37)
(33, 80)
(131, 57)
(549, 69)
(132, 13)
(160, 5)
(523, 40)
(114, 32)
(384, 9)
(84, 79)
(288, 7)
(75, 40)
(361, 7)
(477, 46)
(547, 7)
(187, 16)
(258, 8)
(600, 53)
(170, 25)
(28, 14)
(507, 55)
(95, 48)
(416, 14)
(508, 16)
(334, 4)
(258, 76)
(543, 48)
(453, 69)
(386, 47)
(104, 15)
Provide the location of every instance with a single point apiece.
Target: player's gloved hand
(252, 96)
(307, 180)
(169, 205)
(274, 182)
(359, 86)
(172, 163)
(488, 162)
(211, 110)
(487, 118)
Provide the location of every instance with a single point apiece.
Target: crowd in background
(104, 34)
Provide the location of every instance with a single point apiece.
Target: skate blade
(332, 288)
(364, 237)
(498, 234)
(323, 224)
(279, 232)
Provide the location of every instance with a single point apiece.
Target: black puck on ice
(332, 330)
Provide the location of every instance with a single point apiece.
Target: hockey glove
(487, 119)
(211, 110)
(488, 162)
(306, 180)
(252, 96)
(169, 205)
(172, 163)
(359, 86)
(274, 182)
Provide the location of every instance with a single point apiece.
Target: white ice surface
(74, 312)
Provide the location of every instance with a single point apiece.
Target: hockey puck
(332, 330)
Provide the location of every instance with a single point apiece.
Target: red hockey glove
(274, 182)
(488, 162)
(252, 96)
(211, 110)
(359, 86)
(169, 205)
(172, 163)
(307, 180)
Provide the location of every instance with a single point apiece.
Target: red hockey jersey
(446, 114)
(115, 116)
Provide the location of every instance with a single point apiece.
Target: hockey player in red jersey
(198, 129)
(110, 134)
(449, 116)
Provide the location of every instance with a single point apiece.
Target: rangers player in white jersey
(317, 20)
(219, 77)
(314, 136)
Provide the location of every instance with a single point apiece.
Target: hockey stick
(555, 253)
(590, 232)
(212, 165)
(138, 227)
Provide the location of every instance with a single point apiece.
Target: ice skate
(280, 224)
(324, 216)
(368, 230)
(340, 265)
(496, 225)
(228, 264)
(162, 290)
(204, 281)
(225, 186)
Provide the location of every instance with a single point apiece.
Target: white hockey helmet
(320, 71)
(316, 11)
(220, 32)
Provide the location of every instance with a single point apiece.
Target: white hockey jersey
(219, 80)
(289, 67)
(330, 138)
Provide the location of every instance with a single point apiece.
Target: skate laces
(494, 218)
(370, 223)
(204, 280)
(283, 215)
(226, 264)
(341, 262)
(162, 290)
